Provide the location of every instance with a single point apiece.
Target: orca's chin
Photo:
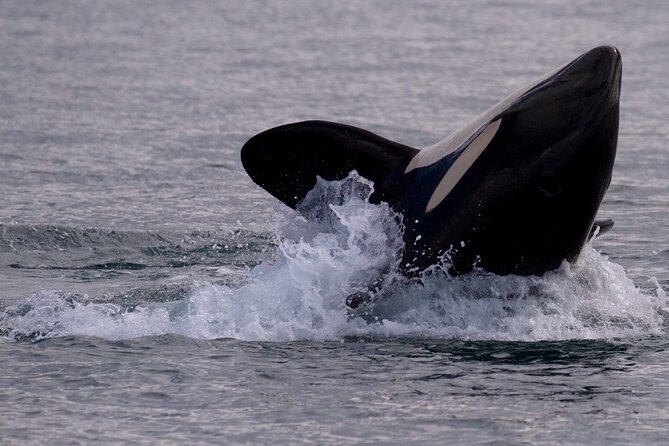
(515, 191)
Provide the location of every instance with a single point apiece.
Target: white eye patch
(462, 164)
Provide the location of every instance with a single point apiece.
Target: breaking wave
(347, 246)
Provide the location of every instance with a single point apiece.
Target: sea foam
(339, 245)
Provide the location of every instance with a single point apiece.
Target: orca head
(521, 185)
(516, 190)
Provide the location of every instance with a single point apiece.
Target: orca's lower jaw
(548, 220)
(549, 216)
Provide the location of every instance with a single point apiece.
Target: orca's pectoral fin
(600, 227)
(286, 160)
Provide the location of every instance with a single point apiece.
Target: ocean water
(150, 292)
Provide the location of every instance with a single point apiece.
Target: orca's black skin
(525, 202)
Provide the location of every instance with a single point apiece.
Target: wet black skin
(528, 202)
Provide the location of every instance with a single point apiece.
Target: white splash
(343, 246)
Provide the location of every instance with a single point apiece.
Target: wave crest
(346, 245)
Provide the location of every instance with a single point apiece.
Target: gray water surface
(146, 289)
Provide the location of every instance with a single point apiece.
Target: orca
(515, 191)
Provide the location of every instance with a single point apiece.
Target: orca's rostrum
(515, 191)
